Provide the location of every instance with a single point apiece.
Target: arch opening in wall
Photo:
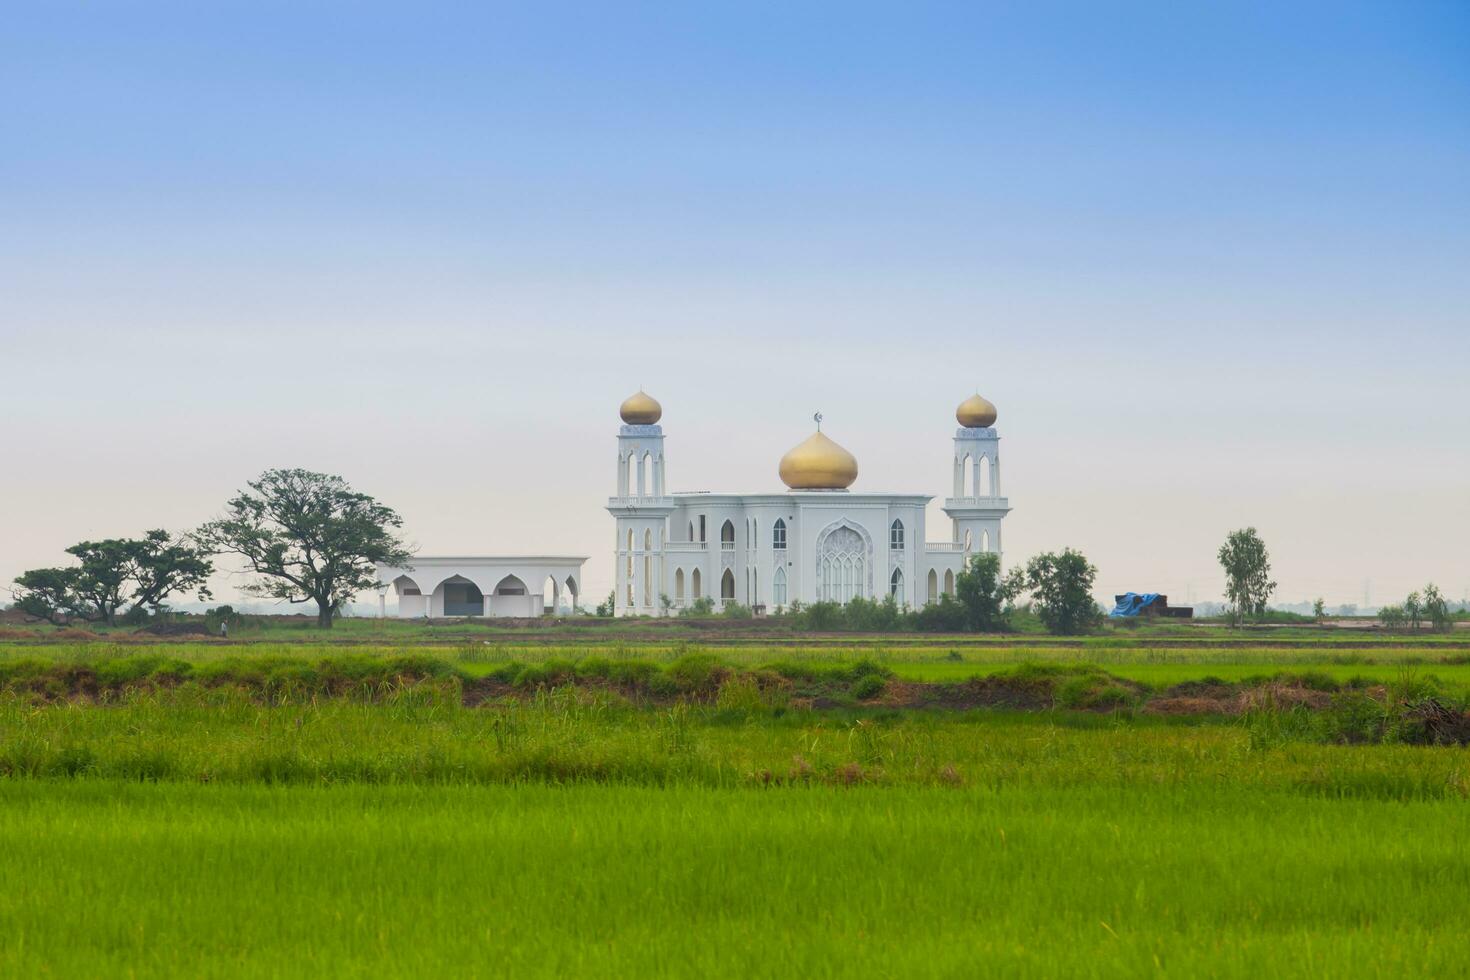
(648, 589)
(933, 585)
(511, 585)
(949, 582)
(727, 535)
(549, 596)
(969, 541)
(984, 540)
(778, 535)
(727, 585)
(571, 585)
(895, 536)
(778, 588)
(679, 585)
(982, 476)
(895, 584)
(461, 597)
(694, 585)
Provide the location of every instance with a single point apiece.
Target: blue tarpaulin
(1134, 603)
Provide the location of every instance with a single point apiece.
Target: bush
(867, 687)
(734, 610)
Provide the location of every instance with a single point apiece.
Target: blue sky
(1210, 262)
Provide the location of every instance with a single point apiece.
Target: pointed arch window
(895, 536)
(778, 535)
(895, 584)
(778, 588)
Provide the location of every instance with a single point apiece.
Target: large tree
(141, 571)
(310, 537)
(1248, 583)
(48, 593)
(1061, 587)
(984, 595)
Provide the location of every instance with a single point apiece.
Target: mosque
(817, 541)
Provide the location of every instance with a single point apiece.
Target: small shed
(1132, 604)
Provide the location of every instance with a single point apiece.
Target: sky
(1211, 262)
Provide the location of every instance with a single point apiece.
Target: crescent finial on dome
(640, 408)
(975, 412)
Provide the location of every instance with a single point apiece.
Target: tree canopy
(1061, 588)
(141, 571)
(309, 536)
(1248, 583)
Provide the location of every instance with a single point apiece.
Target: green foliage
(1061, 587)
(734, 610)
(1393, 617)
(310, 537)
(606, 608)
(1248, 583)
(984, 595)
(1435, 609)
(942, 616)
(701, 608)
(143, 571)
(867, 687)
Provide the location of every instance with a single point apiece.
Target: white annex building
(485, 585)
(815, 541)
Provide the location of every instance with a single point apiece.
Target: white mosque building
(815, 541)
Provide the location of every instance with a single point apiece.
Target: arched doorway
(458, 596)
(727, 586)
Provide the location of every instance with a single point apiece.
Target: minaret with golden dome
(641, 507)
(977, 505)
(818, 463)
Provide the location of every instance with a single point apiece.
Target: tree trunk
(323, 615)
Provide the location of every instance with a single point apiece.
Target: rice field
(210, 828)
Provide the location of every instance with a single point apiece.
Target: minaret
(640, 508)
(977, 506)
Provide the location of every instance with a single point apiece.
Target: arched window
(727, 585)
(984, 540)
(933, 585)
(727, 535)
(778, 588)
(895, 535)
(753, 539)
(694, 584)
(982, 476)
(969, 541)
(679, 586)
(691, 530)
(895, 584)
(842, 566)
(778, 535)
(949, 582)
(648, 588)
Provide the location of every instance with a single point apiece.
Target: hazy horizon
(1212, 265)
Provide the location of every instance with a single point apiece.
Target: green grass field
(388, 829)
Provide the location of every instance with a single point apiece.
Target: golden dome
(818, 464)
(641, 409)
(975, 412)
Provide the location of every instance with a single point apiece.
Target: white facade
(485, 585)
(766, 550)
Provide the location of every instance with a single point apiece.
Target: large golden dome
(641, 409)
(818, 464)
(975, 412)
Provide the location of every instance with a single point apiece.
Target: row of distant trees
(1054, 587)
(305, 537)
